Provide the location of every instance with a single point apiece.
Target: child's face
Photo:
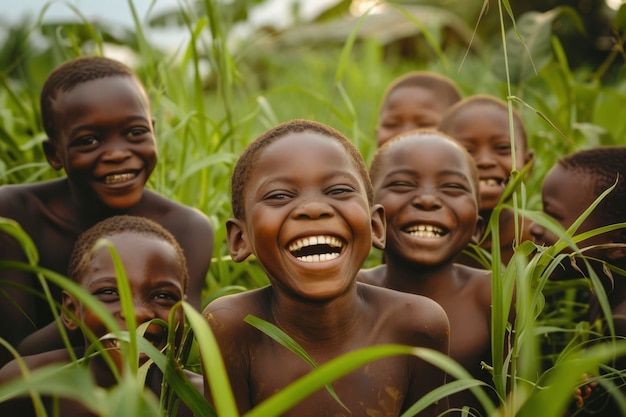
(484, 131)
(425, 185)
(408, 108)
(307, 217)
(155, 279)
(565, 196)
(104, 140)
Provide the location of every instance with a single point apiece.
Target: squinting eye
(85, 141)
(137, 131)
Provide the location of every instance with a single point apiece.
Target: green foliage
(210, 99)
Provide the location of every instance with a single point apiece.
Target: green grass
(204, 119)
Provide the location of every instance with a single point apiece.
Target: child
(415, 100)
(157, 274)
(481, 124)
(569, 188)
(428, 186)
(97, 117)
(302, 203)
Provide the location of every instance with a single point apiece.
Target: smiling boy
(157, 275)
(481, 124)
(428, 186)
(302, 204)
(416, 100)
(100, 131)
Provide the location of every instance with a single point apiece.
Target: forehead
(309, 144)
(566, 189)
(412, 93)
(139, 251)
(427, 152)
(101, 90)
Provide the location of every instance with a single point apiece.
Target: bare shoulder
(373, 276)
(226, 314)
(17, 201)
(12, 369)
(174, 215)
(477, 282)
(412, 319)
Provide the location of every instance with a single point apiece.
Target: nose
(426, 200)
(537, 232)
(483, 157)
(115, 149)
(312, 209)
(142, 312)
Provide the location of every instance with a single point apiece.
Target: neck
(428, 280)
(316, 321)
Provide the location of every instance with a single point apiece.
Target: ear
(70, 310)
(50, 150)
(379, 226)
(479, 230)
(153, 124)
(238, 244)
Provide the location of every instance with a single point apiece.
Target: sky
(272, 12)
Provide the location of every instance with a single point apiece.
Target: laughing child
(416, 100)
(157, 275)
(481, 124)
(302, 204)
(428, 186)
(100, 131)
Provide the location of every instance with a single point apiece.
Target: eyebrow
(439, 174)
(92, 126)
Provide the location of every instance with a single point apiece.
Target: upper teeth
(491, 182)
(423, 230)
(312, 241)
(117, 178)
(315, 240)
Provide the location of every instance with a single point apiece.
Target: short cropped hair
(446, 89)
(74, 72)
(248, 159)
(376, 164)
(83, 253)
(602, 166)
(449, 117)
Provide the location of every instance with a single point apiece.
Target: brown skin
(425, 180)
(154, 277)
(565, 196)
(316, 191)
(484, 131)
(104, 128)
(408, 108)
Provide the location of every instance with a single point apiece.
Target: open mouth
(428, 231)
(492, 182)
(316, 248)
(119, 178)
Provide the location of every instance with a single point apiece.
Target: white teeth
(425, 230)
(318, 258)
(118, 178)
(315, 240)
(491, 183)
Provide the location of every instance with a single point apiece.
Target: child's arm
(426, 377)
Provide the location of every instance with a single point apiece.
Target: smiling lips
(119, 178)
(425, 231)
(316, 248)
